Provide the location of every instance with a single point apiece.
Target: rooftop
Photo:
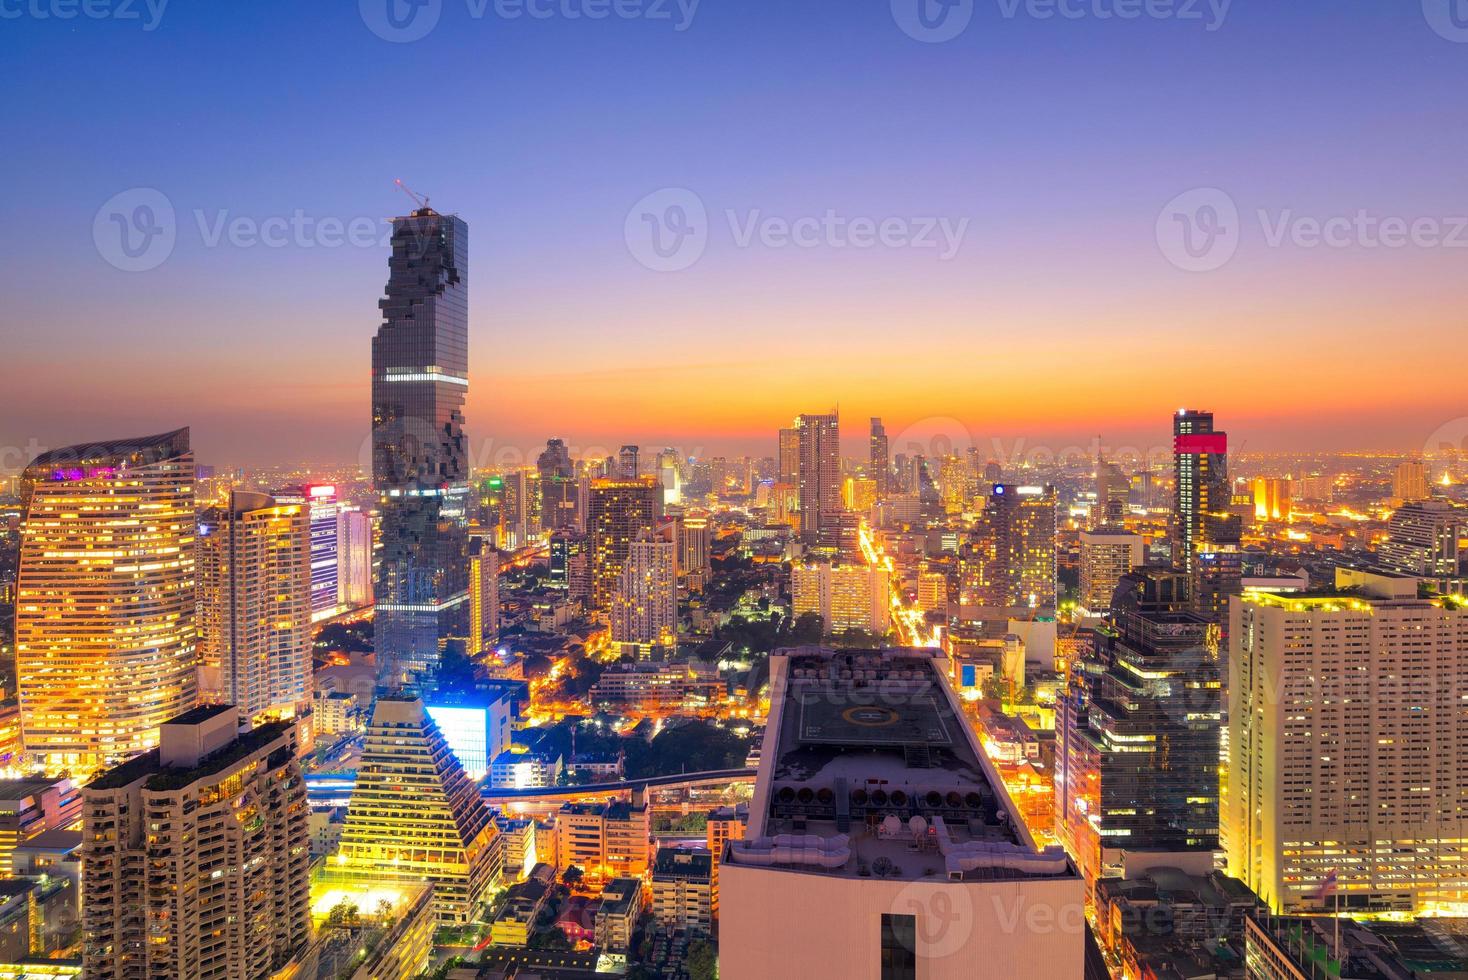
(164, 778)
(874, 771)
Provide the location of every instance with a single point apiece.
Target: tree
(703, 961)
(572, 875)
(343, 913)
(808, 628)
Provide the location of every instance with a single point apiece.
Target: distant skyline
(1055, 144)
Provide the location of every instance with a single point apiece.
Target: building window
(899, 947)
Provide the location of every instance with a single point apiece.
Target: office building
(570, 565)
(415, 815)
(255, 598)
(644, 610)
(846, 597)
(323, 511)
(1410, 481)
(605, 840)
(1022, 519)
(1346, 736)
(1137, 751)
(104, 619)
(878, 818)
(1113, 493)
(619, 512)
(1423, 539)
(683, 890)
(819, 443)
(478, 726)
(197, 855)
(879, 459)
(1205, 532)
(1107, 553)
(484, 596)
(420, 466)
(354, 558)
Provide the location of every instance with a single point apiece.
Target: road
(912, 626)
(679, 779)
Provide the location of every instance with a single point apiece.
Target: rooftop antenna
(418, 199)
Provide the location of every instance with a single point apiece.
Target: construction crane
(418, 199)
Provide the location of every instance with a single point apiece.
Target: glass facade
(420, 366)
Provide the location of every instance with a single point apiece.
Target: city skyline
(1060, 254)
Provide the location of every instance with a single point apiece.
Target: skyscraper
(619, 512)
(198, 856)
(1346, 740)
(1422, 539)
(420, 365)
(484, 595)
(1023, 521)
(255, 605)
(1205, 533)
(322, 509)
(644, 610)
(559, 489)
(788, 458)
(627, 462)
(354, 558)
(415, 816)
(1409, 483)
(881, 462)
(1107, 553)
(819, 440)
(1138, 743)
(104, 628)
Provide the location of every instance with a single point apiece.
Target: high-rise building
(1410, 482)
(879, 458)
(1205, 532)
(846, 597)
(484, 595)
(619, 512)
(644, 611)
(322, 509)
(877, 817)
(1138, 743)
(254, 611)
(1422, 539)
(627, 462)
(1346, 739)
(956, 484)
(420, 467)
(31, 807)
(354, 558)
(789, 458)
(104, 627)
(197, 855)
(606, 840)
(1023, 521)
(570, 565)
(555, 460)
(819, 438)
(859, 494)
(1107, 553)
(1113, 493)
(415, 816)
(695, 549)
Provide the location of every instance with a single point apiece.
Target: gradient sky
(1059, 140)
